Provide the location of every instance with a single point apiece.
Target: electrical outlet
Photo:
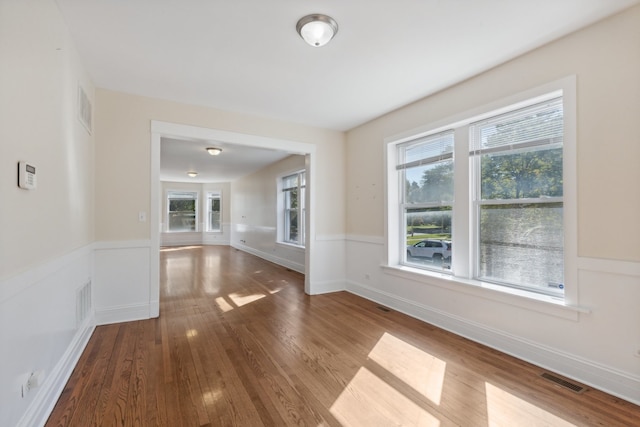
(25, 389)
(34, 379)
(32, 382)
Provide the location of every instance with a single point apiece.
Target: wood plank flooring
(238, 343)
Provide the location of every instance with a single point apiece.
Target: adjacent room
(245, 213)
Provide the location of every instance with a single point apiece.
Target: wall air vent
(83, 303)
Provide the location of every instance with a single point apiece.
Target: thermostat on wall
(26, 176)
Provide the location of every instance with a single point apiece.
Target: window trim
(462, 265)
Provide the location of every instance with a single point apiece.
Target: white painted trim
(375, 240)
(44, 401)
(196, 132)
(503, 105)
(503, 294)
(464, 218)
(330, 237)
(611, 266)
(602, 377)
(225, 242)
(519, 298)
(329, 286)
(154, 309)
(123, 313)
(154, 225)
(121, 244)
(271, 258)
(290, 246)
(181, 239)
(12, 286)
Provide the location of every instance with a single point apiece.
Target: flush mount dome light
(214, 151)
(192, 174)
(317, 29)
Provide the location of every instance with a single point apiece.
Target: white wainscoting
(261, 242)
(39, 331)
(196, 237)
(329, 263)
(288, 257)
(122, 281)
(598, 348)
(328, 260)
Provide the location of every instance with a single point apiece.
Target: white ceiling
(177, 157)
(245, 55)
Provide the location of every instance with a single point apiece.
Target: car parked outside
(434, 249)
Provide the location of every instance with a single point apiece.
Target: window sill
(546, 304)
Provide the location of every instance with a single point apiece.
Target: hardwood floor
(238, 343)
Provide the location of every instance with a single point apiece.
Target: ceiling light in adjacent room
(192, 174)
(214, 151)
(317, 29)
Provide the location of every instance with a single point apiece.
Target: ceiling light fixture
(214, 151)
(192, 174)
(317, 29)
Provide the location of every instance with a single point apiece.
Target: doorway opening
(160, 130)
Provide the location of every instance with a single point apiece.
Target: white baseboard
(154, 309)
(328, 287)
(604, 378)
(272, 258)
(125, 313)
(46, 398)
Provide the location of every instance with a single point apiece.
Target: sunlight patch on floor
(275, 291)
(416, 368)
(223, 304)
(239, 300)
(505, 409)
(192, 333)
(211, 396)
(369, 401)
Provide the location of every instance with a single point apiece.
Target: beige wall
(39, 76)
(606, 60)
(123, 158)
(254, 200)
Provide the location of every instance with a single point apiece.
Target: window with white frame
(292, 196)
(182, 211)
(499, 178)
(214, 211)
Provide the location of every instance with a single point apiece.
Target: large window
(293, 212)
(483, 199)
(214, 211)
(182, 208)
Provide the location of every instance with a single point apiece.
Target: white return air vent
(83, 303)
